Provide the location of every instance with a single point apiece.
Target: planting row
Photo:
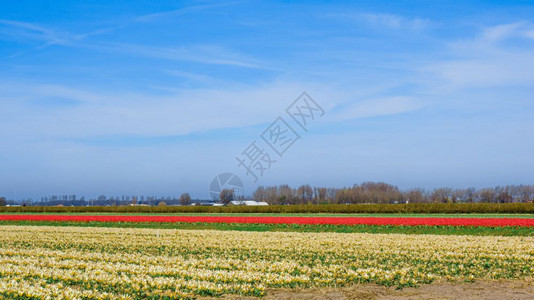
(439, 208)
(403, 221)
(120, 263)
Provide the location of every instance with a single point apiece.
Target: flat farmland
(145, 263)
(188, 256)
(440, 224)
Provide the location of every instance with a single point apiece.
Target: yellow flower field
(123, 263)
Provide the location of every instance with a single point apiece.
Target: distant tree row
(380, 192)
(367, 192)
(185, 199)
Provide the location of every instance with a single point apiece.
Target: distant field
(453, 224)
(433, 230)
(392, 215)
(412, 208)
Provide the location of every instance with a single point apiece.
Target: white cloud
(395, 21)
(206, 54)
(490, 59)
(107, 114)
(24, 30)
(189, 75)
(376, 107)
(504, 31)
(35, 32)
(383, 20)
(505, 70)
(178, 12)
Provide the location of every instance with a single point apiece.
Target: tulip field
(400, 221)
(47, 261)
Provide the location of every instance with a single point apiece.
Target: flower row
(395, 221)
(123, 263)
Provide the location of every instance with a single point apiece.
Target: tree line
(185, 199)
(364, 193)
(381, 192)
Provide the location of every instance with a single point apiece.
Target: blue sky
(137, 97)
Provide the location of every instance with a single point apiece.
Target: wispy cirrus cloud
(501, 55)
(384, 20)
(180, 11)
(189, 75)
(27, 31)
(375, 107)
(45, 36)
(101, 113)
(505, 31)
(206, 54)
(395, 21)
(48, 36)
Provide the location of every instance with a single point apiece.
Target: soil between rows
(491, 290)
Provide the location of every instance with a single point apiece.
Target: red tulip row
(403, 221)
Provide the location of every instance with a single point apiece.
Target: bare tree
(486, 195)
(415, 196)
(470, 195)
(321, 194)
(285, 194)
(441, 195)
(331, 194)
(271, 193)
(305, 193)
(342, 196)
(503, 194)
(526, 193)
(185, 199)
(3, 201)
(259, 194)
(226, 196)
